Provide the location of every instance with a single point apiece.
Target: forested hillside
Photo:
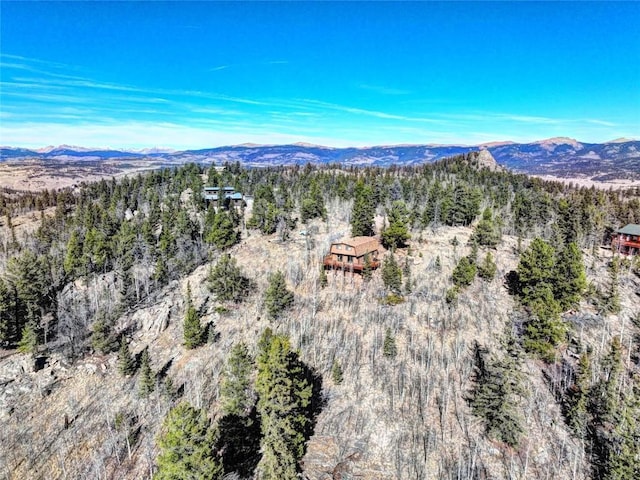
(145, 333)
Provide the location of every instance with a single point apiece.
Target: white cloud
(145, 134)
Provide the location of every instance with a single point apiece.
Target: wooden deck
(328, 262)
(626, 245)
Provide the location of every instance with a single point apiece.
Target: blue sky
(190, 75)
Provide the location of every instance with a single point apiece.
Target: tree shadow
(512, 282)
(162, 373)
(239, 443)
(318, 401)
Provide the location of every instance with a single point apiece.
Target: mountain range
(561, 157)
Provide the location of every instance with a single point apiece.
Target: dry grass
(405, 417)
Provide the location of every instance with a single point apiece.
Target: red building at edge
(627, 240)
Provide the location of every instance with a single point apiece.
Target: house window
(350, 259)
(339, 258)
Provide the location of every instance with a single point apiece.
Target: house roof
(215, 189)
(356, 246)
(631, 229)
(232, 196)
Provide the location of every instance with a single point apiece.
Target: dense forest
(522, 265)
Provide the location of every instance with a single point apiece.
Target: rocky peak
(484, 159)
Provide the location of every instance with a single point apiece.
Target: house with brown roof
(627, 240)
(352, 254)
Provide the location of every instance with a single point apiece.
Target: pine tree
(277, 297)
(464, 273)
(497, 391)
(536, 270)
(235, 390)
(73, 259)
(578, 397)
(486, 233)
(612, 303)
(544, 329)
(604, 396)
(227, 280)
(101, 338)
(392, 275)
(222, 233)
(487, 271)
(438, 264)
(323, 278)
(363, 211)
(147, 380)
(284, 399)
(570, 278)
(336, 373)
(194, 334)
(313, 204)
(29, 339)
(537, 277)
(187, 446)
(367, 269)
(389, 348)
(7, 312)
(396, 234)
(126, 363)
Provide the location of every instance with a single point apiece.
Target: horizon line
(302, 144)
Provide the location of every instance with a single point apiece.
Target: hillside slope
(405, 417)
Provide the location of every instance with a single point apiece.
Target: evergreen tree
(497, 391)
(487, 271)
(29, 277)
(536, 270)
(284, 399)
(265, 213)
(612, 302)
(323, 278)
(367, 269)
(222, 233)
(396, 234)
(389, 349)
(29, 339)
(336, 373)
(101, 338)
(392, 274)
(147, 380)
(406, 272)
(578, 397)
(537, 277)
(194, 334)
(544, 329)
(464, 205)
(363, 212)
(235, 391)
(73, 259)
(227, 280)
(277, 297)
(313, 204)
(464, 273)
(187, 446)
(486, 233)
(570, 278)
(126, 363)
(604, 397)
(7, 312)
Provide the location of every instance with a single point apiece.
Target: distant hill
(562, 157)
